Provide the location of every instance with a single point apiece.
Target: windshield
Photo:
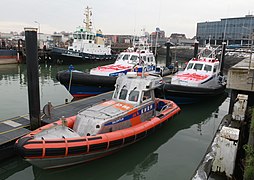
(134, 95)
(208, 68)
(198, 66)
(119, 56)
(123, 93)
(190, 65)
(126, 57)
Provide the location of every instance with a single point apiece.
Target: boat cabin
(81, 36)
(134, 89)
(133, 102)
(204, 65)
(136, 58)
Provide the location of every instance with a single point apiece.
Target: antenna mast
(87, 20)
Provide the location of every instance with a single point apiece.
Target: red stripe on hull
(83, 95)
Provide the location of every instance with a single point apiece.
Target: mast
(87, 20)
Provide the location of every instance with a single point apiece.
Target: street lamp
(39, 27)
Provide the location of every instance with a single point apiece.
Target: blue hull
(86, 91)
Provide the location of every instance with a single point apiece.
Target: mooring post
(233, 96)
(222, 57)
(196, 49)
(33, 77)
(168, 55)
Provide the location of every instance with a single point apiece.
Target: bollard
(168, 55)
(33, 77)
(222, 57)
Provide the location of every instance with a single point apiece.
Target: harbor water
(172, 152)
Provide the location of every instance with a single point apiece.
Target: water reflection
(138, 161)
(133, 161)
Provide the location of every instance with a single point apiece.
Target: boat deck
(14, 128)
(73, 108)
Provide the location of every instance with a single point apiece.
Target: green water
(173, 152)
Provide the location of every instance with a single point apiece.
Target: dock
(224, 156)
(14, 128)
(241, 80)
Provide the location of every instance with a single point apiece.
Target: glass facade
(231, 30)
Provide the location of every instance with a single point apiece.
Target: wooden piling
(33, 77)
(195, 55)
(168, 55)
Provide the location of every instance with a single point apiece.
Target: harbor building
(234, 31)
(158, 37)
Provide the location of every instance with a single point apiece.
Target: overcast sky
(119, 16)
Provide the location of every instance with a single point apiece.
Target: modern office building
(233, 31)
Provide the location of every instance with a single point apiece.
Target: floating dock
(14, 128)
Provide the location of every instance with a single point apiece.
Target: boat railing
(213, 52)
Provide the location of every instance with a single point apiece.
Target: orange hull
(91, 146)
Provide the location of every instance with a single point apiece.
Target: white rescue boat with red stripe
(202, 78)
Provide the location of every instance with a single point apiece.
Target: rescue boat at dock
(132, 114)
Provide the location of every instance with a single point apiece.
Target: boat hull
(49, 163)
(8, 57)
(80, 91)
(60, 152)
(81, 84)
(187, 94)
(63, 56)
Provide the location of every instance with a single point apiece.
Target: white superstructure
(138, 58)
(200, 72)
(86, 41)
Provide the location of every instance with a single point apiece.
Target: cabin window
(208, 68)
(119, 57)
(123, 94)
(190, 65)
(75, 36)
(79, 36)
(83, 36)
(153, 60)
(126, 57)
(87, 36)
(134, 95)
(146, 95)
(198, 66)
(134, 58)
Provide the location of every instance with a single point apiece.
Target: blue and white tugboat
(86, 46)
